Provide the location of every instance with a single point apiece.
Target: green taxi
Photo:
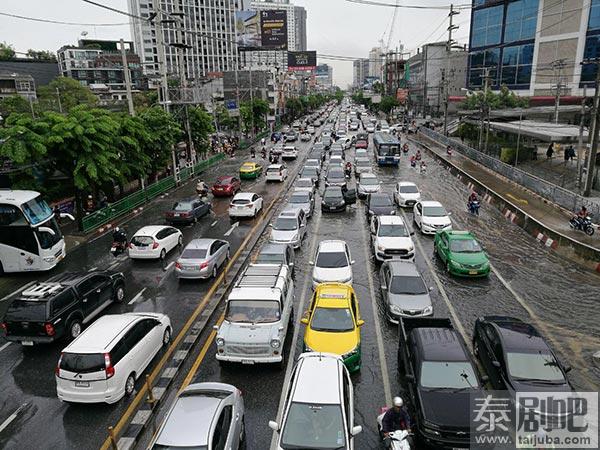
(250, 170)
(461, 253)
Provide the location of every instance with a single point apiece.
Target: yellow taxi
(333, 323)
(250, 170)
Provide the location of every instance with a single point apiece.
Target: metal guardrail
(132, 201)
(556, 194)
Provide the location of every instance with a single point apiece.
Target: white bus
(30, 238)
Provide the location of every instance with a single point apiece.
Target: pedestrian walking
(566, 155)
(550, 150)
(571, 152)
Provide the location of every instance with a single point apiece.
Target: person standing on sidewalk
(550, 150)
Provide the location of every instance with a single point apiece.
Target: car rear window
(82, 362)
(183, 206)
(409, 189)
(223, 182)
(273, 169)
(240, 201)
(142, 241)
(26, 310)
(194, 253)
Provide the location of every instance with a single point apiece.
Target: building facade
(208, 43)
(375, 62)
(533, 46)
(43, 72)
(360, 72)
(296, 29)
(95, 62)
(12, 83)
(324, 77)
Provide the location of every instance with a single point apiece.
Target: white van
(102, 364)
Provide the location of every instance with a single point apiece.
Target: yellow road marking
(516, 199)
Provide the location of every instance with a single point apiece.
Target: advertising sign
(247, 28)
(273, 25)
(402, 95)
(302, 60)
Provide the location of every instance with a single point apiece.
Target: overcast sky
(335, 27)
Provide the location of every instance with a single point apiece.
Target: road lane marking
(12, 417)
(137, 297)
(5, 345)
(517, 199)
(299, 311)
(92, 269)
(382, 359)
(438, 282)
(21, 289)
(214, 223)
(233, 227)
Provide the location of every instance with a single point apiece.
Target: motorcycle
(423, 170)
(449, 151)
(584, 225)
(418, 157)
(473, 207)
(405, 148)
(398, 438)
(118, 247)
(413, 163)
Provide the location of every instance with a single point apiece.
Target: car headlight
(346, 280)
(49, 259)
(456, 264)
(430, 431)
(410, 249)
(220, 341)
(428, 310)
(395, 309)
(275, 343)
(371, 211)
(393, 212)
(352, 352)
(380, 247)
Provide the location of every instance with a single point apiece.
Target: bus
(30, 238)
(387, 149)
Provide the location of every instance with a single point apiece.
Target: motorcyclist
(262, 142)
(348, 169)
(395, 418)
(119, 237)
(263, 152)
(405, 148)
(449, 150)
(252, 152)
(582, 214)
(423, 167)
(413, 161)
(418, 155)
(201, 188)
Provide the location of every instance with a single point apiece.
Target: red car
(226, 186)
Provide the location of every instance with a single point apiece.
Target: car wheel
(74, 328)
(214, 272)
(163, 254)
(448, 268)
(242, 432)
(119, 294)
(166, 336)
(130, 384)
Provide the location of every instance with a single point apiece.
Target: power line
(390, 5)
(59, 22)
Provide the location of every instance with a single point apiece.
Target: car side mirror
(485, 378)
(409, 377)
(430, 288)
(304, 321)
(273, 425)
(302, 225)
(567, 369)
(311, 263)
(357, 429)
(412, 233)
(449, 214)
(216, 327)
(47, 230)
(271, 225)
(360, 322)
(383, 287)
(68, 216)
(352, 262)
(496, 364)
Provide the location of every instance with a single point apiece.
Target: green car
(461, 253)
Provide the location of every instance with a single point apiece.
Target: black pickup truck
(434, 363)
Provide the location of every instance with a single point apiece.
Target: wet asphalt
(529, 282)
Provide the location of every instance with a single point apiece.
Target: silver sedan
(202, 258)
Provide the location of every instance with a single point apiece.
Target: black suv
(61, 306)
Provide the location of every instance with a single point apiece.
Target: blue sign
(230, 104)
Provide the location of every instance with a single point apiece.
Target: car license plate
(27, 343)
(188, 267)
(85, 384)
(472, 272)
(176, 215)
(247, 361)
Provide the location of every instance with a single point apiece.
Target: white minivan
(102, 364)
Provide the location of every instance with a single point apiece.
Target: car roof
(407, 183)
(274, 248)
(332, 246)
(439, 344)
(200, 243)
(391, 220)
(317, 379)
(244, 196)
(402, 268)
(517, 335)
(274, 166)
(367, 175)
(334, 295)
(430, 203)
(150, 230)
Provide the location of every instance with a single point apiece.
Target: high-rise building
(533, 45)
(375, 62)
(296, 29)
(209, 37)
(360, 71)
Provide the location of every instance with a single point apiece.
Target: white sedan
(154, 242)
(245, 204)
(431, 217)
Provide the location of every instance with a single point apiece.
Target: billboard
(302, 60)
(261, 30)
(402, 95)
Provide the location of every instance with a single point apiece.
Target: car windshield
(334, 175)
(312, 163)
(434, 211)
(362, 163)
(248, 166)
(285, 224)
(464, 246)
(270, 258)
(313, 426)
(308, 172)
(448, 375)
(332, 260)
(36, 210)
(408, 190)
(332, 319)
(274, 169)
(301, 197)
(171, 447)
(392, 230)
(380, 200)
(407, 286)
(369, 181)
(540, 366)
(193, 253)
(252, 311)
(182, 206)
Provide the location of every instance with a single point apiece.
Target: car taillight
(204, 265)
(177, 265)
(251, 205)
(130, 245)
(154, 245)
(57, 369)
(108, 367)
(4, 326)
(49, 329)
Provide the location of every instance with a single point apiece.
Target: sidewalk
(520, 200)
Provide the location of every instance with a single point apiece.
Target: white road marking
(299, 311)
(382, 359)
(214, 223)
(92, 269)
(233, 227)
(137, 297)
(22, 288)
(5, 345)
(12, 417)
(438, 282)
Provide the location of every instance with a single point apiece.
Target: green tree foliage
(201, 126)
(254, 112)
(378, 88)
(134, 140)
(7, 51)
(165, 132)
(388, 103)
(44, 55)
(224, 120)
(503, 99)
(339, 95)
(70, 91)
(145, 99)
(24, 139)
(14, 104)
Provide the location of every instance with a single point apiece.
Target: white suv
(245, 204)
(321, 390)
(431, 217)
(391, 239)
(406, 194)
(102, 364)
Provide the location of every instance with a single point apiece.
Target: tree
(254, 113)
(293, 107)
(14, 104)
(224, 120)
(134, 143)
(70, 92)
(388, 103)
(24, 139)
(145, 99)
(503, 99)
(7, 51)
(339, 96)
(378, 88)
(165, 132)
(201, 127)
(44, 55)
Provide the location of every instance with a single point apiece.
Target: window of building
(592, 51)
(479, 61)
(487, 26)
(594, 20)
(521, 19)
(516, 64)
(23, 86)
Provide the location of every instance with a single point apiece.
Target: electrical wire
(390, 5)
(59, 22)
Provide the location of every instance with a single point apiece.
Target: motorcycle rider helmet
(117, 229)
(398, 402)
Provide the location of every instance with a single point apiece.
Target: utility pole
(446, 71)
(59, 103)
(162, 61)
(558, 66)
(236, 61)
(580, 151)
(591, 158)
(483, 106)
(127, 79)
